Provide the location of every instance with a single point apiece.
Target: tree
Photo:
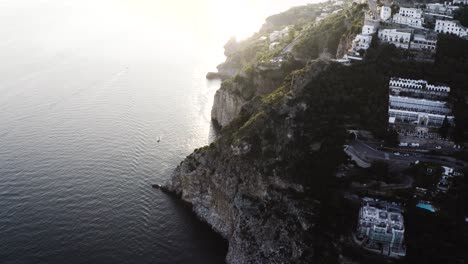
(391, 138)
(461, 15)
(443, 130)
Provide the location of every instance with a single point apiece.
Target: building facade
(369, 29)
(399, 37)
(361, 42)
(450, 27)
(412, 17)
(462, 2)
(410, 12)
(417, 88)
(381, 227)
(419, 112)
(409, 104)
(442, 9)
(424, 42)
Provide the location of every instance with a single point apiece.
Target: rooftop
(381, 214)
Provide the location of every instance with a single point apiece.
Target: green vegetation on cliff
(269, 178)
(326, 35)
(297, 16)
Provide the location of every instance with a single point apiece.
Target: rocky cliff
(226, 106)
(264, 184)
(256, 80)
(250, 188)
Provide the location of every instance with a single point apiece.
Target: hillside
(268, 184)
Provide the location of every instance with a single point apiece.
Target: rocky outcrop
(226, 106)
(236, 92)
(258, 214)
(242, 184)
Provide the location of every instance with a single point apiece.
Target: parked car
(396, 153)
(438, 147)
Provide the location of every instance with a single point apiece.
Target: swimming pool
(428, 207)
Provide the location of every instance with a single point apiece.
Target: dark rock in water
(216, 75)
(163, 188)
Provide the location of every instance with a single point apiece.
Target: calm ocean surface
(86, 89)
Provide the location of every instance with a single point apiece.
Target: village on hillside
(418, 111)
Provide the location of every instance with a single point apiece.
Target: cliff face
(235, 93)
(226, 106)
(263, 182)
(257, 214)
(242, 184)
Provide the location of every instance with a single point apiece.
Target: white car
(396, 153)
(438, 147)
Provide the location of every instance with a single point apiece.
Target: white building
(407, 106)
(463, 2)
(410, 12)
(369, 29)
(442, 9)
(450, 27)
(385, 13)
(419, 112)
(399, 37)
(409, 16)
(381, 227)
(362, 42)
(424, 42)
(409, 21)
(421, 87)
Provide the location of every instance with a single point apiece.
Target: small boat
(159, 139)
(156, 186)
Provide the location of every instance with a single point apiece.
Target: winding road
(367, 152)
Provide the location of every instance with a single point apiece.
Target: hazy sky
(125, 27)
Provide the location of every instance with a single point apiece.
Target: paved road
(368, 152)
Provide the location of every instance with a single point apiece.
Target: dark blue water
(86, 89)
(81, 108)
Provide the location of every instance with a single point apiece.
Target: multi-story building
(424, 42)
(361, 42)
(410, 12)
(385, 13)
(450, 27)
(409, 16)
(381, 227)
(399, 37)
(463, 2)
(418, 112)
(441, 9)
(369, 29)
(409, 106)
(417, 88)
